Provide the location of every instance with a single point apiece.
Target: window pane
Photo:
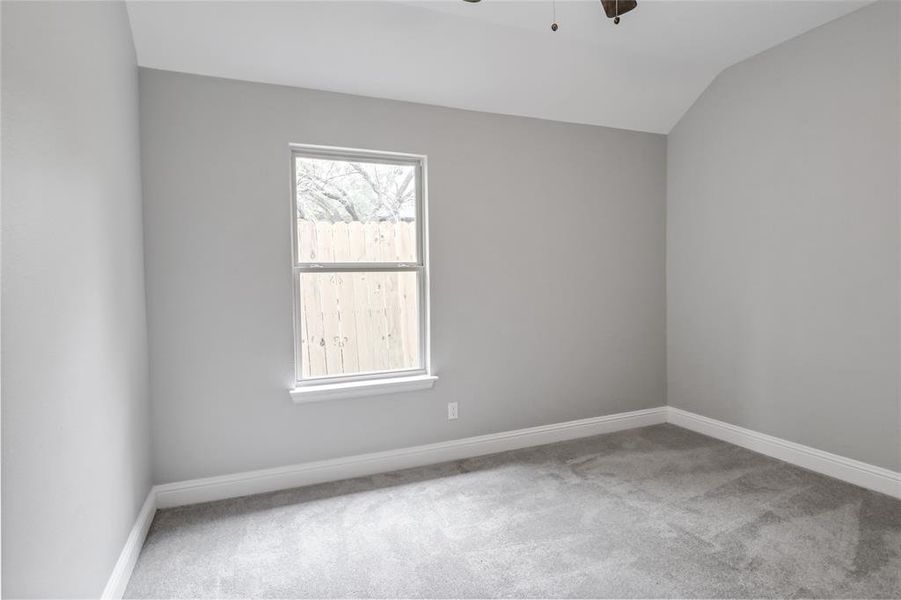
(351, 211)
(358, 322)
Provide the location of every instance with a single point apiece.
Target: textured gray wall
(783, 245)
(75, 402)
(547, 255)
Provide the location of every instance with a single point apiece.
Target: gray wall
(547, 255)
(74, 358)
(783, 246)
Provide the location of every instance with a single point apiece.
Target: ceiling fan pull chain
(611, 9)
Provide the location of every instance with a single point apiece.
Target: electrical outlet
(451, 411)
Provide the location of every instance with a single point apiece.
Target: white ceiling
(496, 56)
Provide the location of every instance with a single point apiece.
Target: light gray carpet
(653, 512)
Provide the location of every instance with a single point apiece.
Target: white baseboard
(846, 469)
(118, 581)
(269, 480)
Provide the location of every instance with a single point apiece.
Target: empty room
(450, 299)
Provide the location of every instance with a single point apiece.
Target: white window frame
(343, 386)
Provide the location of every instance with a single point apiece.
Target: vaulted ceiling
(496, 56)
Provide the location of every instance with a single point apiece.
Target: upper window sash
(304, 251)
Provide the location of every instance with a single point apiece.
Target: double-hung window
(360, 277)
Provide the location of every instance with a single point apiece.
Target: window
(360, 278)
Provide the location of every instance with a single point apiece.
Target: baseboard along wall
(269, 480)
(280, 478)
(846, 469)
(118, 581)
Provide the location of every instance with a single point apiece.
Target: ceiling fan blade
(612, 10)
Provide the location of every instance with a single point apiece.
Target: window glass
(354, 211)
(355, 322)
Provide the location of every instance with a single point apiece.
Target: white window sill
(356, 389)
